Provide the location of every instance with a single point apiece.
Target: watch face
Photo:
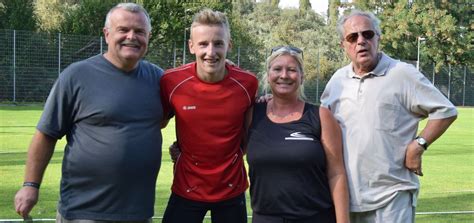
(421, 141)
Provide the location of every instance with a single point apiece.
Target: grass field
(447, 191)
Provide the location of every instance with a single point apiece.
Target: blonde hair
(210, 17)
(299, 60)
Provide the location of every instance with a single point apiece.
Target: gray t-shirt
(111, 120)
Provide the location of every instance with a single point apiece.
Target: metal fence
(30, 62)
(455, 82)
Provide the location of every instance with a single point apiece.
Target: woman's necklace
(282, 117)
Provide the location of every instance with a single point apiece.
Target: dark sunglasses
(367, 34)
(288, 48)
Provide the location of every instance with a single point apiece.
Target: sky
(319, 6)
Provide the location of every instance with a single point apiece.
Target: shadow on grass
(21, 107)
(461, 150)
(15, 127)
(446, 218)
(19, 158)
(462, 201)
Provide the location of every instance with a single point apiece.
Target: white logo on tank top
(298, 136)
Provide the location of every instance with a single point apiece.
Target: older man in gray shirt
(109, 108)
(379, 102)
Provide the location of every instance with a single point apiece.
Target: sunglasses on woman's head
(367, 34)
(287, 48)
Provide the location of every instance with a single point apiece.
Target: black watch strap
(422, 142)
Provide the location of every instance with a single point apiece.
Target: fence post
(433, 74)
(174, 54)
(14, 66)
(101, 50)
(59, 54)
(184, 47)
(238, 56)
(317, 79)
(449, 81)
(464, 86)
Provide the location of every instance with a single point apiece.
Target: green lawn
(448, 184)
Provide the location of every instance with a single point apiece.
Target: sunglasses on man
(287, 48)
(367, 34)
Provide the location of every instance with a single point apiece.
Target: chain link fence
(30, 62)
(455, 82)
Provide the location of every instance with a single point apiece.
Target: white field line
(444, 212)
(449, 191)
(249, 217)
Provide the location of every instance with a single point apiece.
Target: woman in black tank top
(294, 151)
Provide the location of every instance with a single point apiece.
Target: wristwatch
(422, 142)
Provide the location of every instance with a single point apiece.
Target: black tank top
(287, 166)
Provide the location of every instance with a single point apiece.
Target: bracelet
(31, 184)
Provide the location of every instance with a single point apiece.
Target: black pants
(180, 210)
(328, 216)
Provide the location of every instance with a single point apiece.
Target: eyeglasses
(367, 34)
(287, 48)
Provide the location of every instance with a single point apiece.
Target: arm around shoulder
(247, 123)
(331, 139)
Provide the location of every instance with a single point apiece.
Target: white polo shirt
(379, 117)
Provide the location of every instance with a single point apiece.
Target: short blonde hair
(210, 17)
(299, 60)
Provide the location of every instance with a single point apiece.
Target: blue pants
(181, 210)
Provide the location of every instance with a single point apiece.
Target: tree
(365, 5)
(276, 27)
(445, 42)
(243, 7)
(462, 13)
(86, 17)
(274, 3)
(50, 14)
(305, 5)
(17, 15)
(333, 11)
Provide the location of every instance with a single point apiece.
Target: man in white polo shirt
(379, 101)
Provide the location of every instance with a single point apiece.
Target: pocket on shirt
(388, 116)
